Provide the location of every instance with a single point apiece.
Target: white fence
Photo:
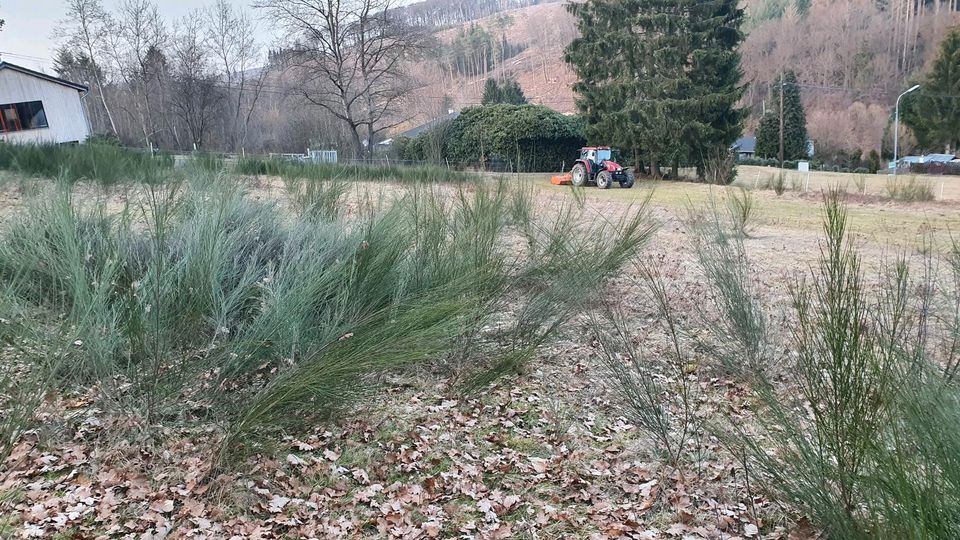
(312, 156)
(322, 156)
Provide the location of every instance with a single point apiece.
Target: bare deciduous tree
(230, 36)
(349, 56)
(136, 42)
(86, 26)
(198, 95)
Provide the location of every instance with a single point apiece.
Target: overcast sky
(28, 36)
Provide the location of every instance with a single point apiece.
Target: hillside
(543, 30)
(851, 56)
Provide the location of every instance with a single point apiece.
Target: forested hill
(851, 56)
(442, 13)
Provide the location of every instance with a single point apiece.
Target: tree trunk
(355, 138)
(103, 101)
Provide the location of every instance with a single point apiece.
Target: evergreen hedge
(528, 138)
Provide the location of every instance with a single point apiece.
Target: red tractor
(597, 165)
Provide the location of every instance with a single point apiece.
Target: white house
(39, 108)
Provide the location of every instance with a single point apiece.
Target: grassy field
(873, 215)
(945, 188)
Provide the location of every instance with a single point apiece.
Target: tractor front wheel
(627, 182)
(604, 179)
(579, 175)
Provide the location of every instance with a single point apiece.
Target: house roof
(413, 133)
(76, 86)
(938, 158)
(747, 145)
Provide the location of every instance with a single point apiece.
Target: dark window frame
(32, 110)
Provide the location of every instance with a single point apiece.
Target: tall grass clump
(660, 398)
(865, 440)
(207, 161)
(316, 198)
(736, 331)
(287, 169)
(23, 373)
(910, 189)
(265, 320)
(860, 182)
(103, 163)
(779, 182)
(720, 168)
(742, 208)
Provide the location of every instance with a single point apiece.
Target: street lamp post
(896, 131)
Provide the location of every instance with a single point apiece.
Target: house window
(21, 116)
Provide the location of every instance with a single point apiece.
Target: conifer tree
(713, 120)
(509, 93)
(491, 93)
(659, 78)
(933, 114)
(794, 123)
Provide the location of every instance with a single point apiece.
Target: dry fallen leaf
(277, 503)
(162, 506)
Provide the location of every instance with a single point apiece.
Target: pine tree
(659, 78)
(794, 123)
(508, 93)
(713, 120)
(491, 93)
(511, 93)
(933, 114)
(768, 135)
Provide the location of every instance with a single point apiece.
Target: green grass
(904, 226)
(103, 163)
(110, 165)
(273, 321)
(288, 169)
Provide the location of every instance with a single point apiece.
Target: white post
(807, 187)
(941, 190)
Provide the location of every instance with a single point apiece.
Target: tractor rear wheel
(627, 182)
(579, 175)
(604, 179)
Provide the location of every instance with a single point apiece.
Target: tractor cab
(597, 155)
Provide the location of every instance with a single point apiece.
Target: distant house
(929, 158)
(926, 164)
(40, 108)
(745, 147)
(937, 158)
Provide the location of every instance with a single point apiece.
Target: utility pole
(781, 120)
